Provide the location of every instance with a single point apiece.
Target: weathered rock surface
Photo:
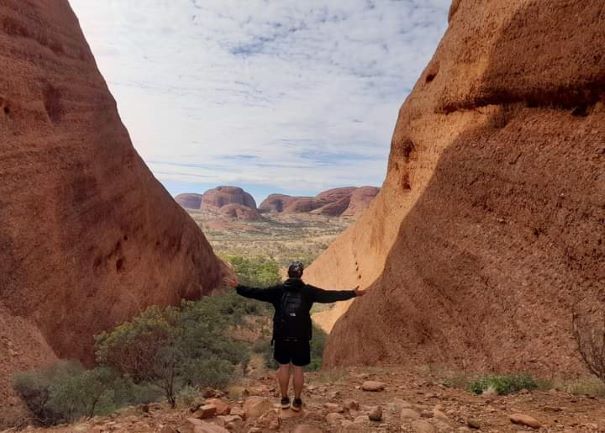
(225, 195)
(231, 202)
(335, 194)
(372, 386)
(88, 237)
(493, 207)
(240, 212)
(275, 203)
(255, 407)
(189, 200)
(346, 201)
(194, 425)
(360, 200)
(526, 420)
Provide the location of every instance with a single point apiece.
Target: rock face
(346, 201)
(490, 221)
(275, 203)
(231, 202)
(88, 237)
(189, 200)
(360, 200)
(225, 195)
(240, 212)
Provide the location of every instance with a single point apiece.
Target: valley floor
(415, 402)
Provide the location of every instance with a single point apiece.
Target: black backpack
(292, 317)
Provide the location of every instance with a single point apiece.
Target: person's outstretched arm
(265, 295)
(327, 296)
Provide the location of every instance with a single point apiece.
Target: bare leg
(283, 377)
(299, 381)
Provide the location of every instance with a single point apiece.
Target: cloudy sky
(271, 95)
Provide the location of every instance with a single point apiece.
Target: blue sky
(274, 96)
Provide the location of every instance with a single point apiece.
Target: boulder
(420, 426)
(255, 406)
(408, 413)
(222, 407)
(373, 386)
(334, 418)
(375, 414)
(206, 411)
(270, 420)
(525, 420)
(334, 407)
(194, 425)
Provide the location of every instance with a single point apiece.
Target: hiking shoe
(296, 404)
(285, 402)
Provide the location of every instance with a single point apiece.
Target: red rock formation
(302, 204)
(335, 194)
(88, 237)
(223, 195)
(335, 208)
(360, 200)
(240, 212)
(275, 203)
(333, 202)
(489, 227)
(189, 200)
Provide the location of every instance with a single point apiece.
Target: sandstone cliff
(490, 224)
(88, 237)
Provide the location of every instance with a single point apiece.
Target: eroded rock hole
(405, 181)
(432, 72)
(7, 110)
(120, 265)
(408, 150)
(52, 103)
(580, 111)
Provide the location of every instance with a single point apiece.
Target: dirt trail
(440, 409)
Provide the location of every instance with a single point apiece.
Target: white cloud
(258, 92)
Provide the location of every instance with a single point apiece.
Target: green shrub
(188, 395)
(66, 391)
(318, 344)
(503, 384)
(256, 271)
(172, 348)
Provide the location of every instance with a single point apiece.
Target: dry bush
(589, 331)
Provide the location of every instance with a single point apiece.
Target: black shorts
(296, 352)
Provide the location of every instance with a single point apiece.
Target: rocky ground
(358, 400)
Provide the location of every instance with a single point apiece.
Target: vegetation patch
(67, 391)
(503, 384)
(168, 352)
